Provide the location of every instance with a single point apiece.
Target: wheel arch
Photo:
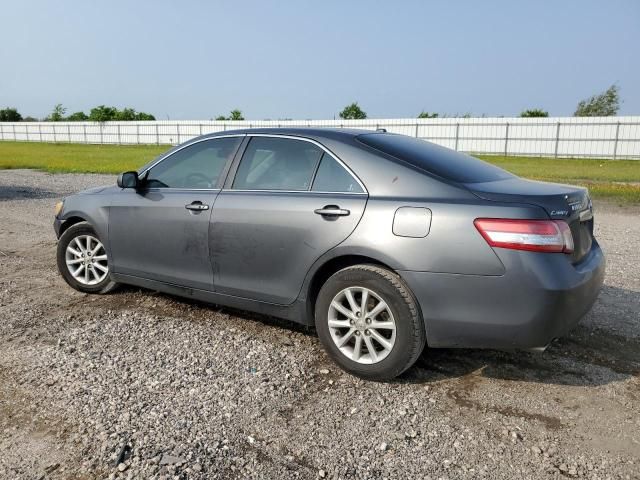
(332, 265)
(69, 222)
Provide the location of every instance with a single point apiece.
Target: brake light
(531, 235)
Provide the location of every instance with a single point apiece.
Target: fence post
(14, 132)
(555, 152)
(119, 134)
(69, 132)
(200, 125)
(84, 132)
(178, 133)
(506, 140)
(157, 135)
(55, 140)
(416, 134)
(615, 143)
(137, 134)
(40, 131)
(457, 135)
(101, 134)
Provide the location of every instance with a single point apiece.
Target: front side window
(333, 177)
(196, 166)
(271, 163)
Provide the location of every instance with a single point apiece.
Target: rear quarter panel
(453, 244)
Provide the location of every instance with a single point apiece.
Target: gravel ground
(138, 384)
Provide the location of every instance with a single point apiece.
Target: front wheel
(82, 260)
(369, 322)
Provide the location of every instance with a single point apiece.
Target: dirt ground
(137, 384)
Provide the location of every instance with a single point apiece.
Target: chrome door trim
(270, 135)
(245, 190)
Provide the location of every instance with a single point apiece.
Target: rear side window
(333, 177)
(272, 163)
(440, 161)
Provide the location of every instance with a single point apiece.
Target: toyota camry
(384, 242)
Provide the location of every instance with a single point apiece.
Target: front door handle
(332, 211)
(197, 206)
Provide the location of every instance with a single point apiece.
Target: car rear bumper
(540, 297)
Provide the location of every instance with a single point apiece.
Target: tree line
(101, 113)
(604, 104)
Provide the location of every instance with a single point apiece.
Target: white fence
(596, 137)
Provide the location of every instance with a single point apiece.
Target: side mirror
(128, 180)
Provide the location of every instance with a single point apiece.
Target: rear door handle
(332, 211)
(197, 206)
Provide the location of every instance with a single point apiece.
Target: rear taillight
(532, 235)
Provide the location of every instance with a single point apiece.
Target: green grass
(614, 179)
(77, 158)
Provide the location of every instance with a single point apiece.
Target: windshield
(432, 158)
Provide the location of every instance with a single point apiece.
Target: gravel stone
(187, 384)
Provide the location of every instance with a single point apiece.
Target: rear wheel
(369, 322)
(82, 260)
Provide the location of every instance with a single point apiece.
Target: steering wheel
(195, 179)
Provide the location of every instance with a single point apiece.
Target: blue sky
(307, 59)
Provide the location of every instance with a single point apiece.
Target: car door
(160, 231)
(289, 201)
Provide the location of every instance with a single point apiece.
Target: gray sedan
(384, 242)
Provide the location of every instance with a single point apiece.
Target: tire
(76, 236)
(404, 341)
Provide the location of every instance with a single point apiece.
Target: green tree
(236, 115)
(424, 114)
(30, 119)
(102, 113)
(125, 115)
(77, 117)
(144, 116)
(534, 112)
(604, 104)
(10, 114)
(233, 115)
(353, 112)
(57, 114)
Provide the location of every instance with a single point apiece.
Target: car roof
(344, 134)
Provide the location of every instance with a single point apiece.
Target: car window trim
(291, 191)
(228, 184)
(223, 174)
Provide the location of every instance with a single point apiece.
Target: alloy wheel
(86, 260)
(361, 325)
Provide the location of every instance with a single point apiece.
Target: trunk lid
(561, 202)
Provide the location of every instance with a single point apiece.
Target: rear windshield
(440, 161)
